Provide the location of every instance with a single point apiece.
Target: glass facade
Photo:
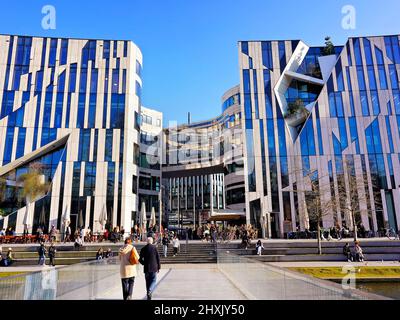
(351, 122)
(77, 92)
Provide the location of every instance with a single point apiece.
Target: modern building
(151, 146)
(320, 110)
(203, 168)
(301, 116)
(72, 105)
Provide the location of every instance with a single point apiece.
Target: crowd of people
(213, 233)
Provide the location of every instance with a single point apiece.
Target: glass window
(354, 133)
(396, 98)
(80, 120)
(342, 133)
(382, 77)
(282, 55)
(92, 110)
(109, 145)
(64, 51)
(245, 47)
(21, 143)
(371, 77)
(361, 79)
(368, 52)
(375, 103)
(389, 133)
(93, 80)
(364, 103)
(393, 76)
(47, 109)
(72, 78)
(59, 109)
(139, 69)
(83, 80)
(339, 76)
(357, 52)
(379, 56)
(339, 104)
(267, 54)
(53, 52)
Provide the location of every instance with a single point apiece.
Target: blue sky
(190, 46)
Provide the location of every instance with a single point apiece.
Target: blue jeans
(151, 279)
(42, 260)
(165, 249)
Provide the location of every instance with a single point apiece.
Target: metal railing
(82, 281)
(262, 281)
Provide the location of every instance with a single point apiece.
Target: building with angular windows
(301, 116)
(72, 105)
(321, 110)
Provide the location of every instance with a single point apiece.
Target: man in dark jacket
(52, 254)
(150, 259)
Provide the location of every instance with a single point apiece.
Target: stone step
(312, 244)
(300, 251)
(323, 257)
(73, 260)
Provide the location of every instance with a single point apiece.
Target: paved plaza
(183, 282)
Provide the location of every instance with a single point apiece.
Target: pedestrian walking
(52, 254)
(150, 259)
(129, 258)
(176, 244)
(67, 234)
(53, 233)
(165, 243)
(42, 254)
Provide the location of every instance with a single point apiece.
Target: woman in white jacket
(127, 270)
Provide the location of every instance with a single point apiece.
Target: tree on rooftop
(329, 48)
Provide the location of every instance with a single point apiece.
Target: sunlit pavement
(184, 282)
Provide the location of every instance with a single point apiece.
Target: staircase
(386, 250)
(193, 253)
(67, 255)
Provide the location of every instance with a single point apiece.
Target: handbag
(134, 257)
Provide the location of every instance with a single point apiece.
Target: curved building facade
(203, 167)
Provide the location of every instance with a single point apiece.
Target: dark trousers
(151, 280)
(52, 261)
(127, 287)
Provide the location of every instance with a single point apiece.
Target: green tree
(329, 47)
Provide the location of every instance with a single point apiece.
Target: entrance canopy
(227, 215)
